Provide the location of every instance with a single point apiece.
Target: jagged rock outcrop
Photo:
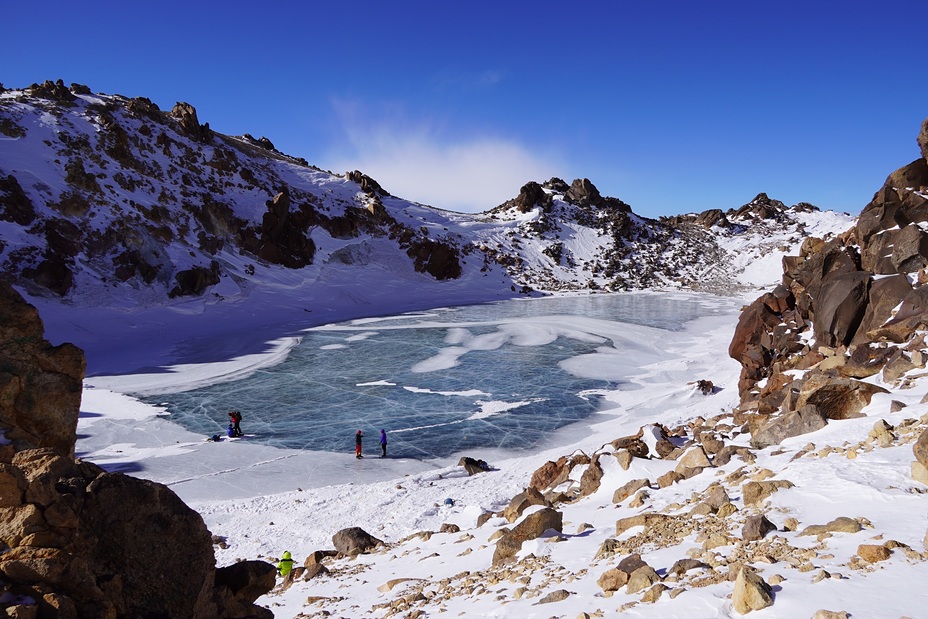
(79, 541)
(186, 116)
(861, 294)
(40, 384)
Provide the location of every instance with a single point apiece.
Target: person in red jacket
(357, 445)
(235, 418)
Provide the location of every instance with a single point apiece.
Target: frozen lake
(502, 375)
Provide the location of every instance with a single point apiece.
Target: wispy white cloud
(420, 161)
(456, 81)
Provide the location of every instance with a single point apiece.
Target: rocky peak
(583, 193)
(56, 91)
(186, 115)
(862, 297)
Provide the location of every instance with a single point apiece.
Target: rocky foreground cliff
(75, 540)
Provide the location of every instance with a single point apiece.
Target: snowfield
(264, 501)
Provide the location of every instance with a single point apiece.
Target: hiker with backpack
(235, 418)
(285, 564)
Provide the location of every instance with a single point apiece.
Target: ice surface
(497, 376)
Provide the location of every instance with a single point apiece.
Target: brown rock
(629, 489)
(841, 308)
(531, 527)
(920, 448)
(884, 296)
(668, 479)
(873, 553)
(694, 458)
(792, 423)
(836, 397)
(754, 492)
(923, 140)
(842, 524)
(550, 474)
(612, 579)
(756, 527)
(247, 580)
(591, 478)
(522, 501)
(920, 472)
(557, 595)
(751, 592)
(641, 579)
(354, 540)
(681, 566)
(624, 458)
(40, 384)
(647, 520)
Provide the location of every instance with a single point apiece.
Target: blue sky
(671, 106)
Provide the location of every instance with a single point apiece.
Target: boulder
(910, 249)
(617, 577)
(522, 501)
(439, 259)
(792, 423)
(873, 553)
(911, 315)
(247, 580)
(694, 458)
(633, 444)
(530, 195)
(531, 527)
(754, 492)
(629, 488)
(756, 527)
(841, 524)
(354, 540)
(836, 397)
(641, 579)
(591, 478)
(194, 281)
(551, 474)
(751, 592)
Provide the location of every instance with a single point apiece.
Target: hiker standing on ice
(235, 418)
(383, 443)
(357, 445)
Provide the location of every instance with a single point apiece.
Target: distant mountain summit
(108, 200)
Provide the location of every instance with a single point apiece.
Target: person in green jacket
(285, 564)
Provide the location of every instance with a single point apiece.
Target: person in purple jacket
(383, 443)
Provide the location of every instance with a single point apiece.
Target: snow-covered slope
(113, 208)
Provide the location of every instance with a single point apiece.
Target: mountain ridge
(107, 198)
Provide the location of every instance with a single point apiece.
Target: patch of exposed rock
(81, 542)
(849, 307)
